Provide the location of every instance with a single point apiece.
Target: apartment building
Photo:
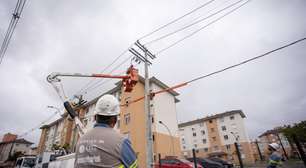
(131, 121)
(214, 136)
(275, 136)
(56, 133)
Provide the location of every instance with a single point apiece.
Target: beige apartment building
(214, 136)
(131, 121)
(56, 133)
(275, 136)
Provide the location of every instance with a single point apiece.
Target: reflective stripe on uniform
(273, 162)
(134, 165)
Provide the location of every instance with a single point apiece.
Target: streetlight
(171, 138)
(237, 149)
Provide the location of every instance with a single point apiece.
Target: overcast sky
(85, 36)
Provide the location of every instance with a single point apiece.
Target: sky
(86, 36)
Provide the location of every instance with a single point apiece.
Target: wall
(4, 151)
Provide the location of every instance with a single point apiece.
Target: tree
(299, 129)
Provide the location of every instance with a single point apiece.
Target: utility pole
(280, 141)
(139, 57)
(238, 150)
(259, 152)
(300, 148)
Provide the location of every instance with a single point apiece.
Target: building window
(192, 129)
(205, 149)
(152, 119)
(223, 128)
(201, 124)
(183, 141)
(210, 121)
(212, 130)
(204, 141)
(214, 138)
(203, 132)
(153, 137)
(228, 147)
(184, 147)
(194, 134)
(127, 118)
(232, 117)
(225, 137)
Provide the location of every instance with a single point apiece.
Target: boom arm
(129, 81)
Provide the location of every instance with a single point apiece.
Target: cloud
(81, 36)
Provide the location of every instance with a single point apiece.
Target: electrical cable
(217, 72)
(175, 20)
(196, 22)
(91, 81)
(11, 28)
(196, 31)
(39, 125)
(101, 83)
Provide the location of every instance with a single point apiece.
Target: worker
(103, 146)
(275, 159)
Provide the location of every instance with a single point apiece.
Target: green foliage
(55, 147)
(299, 129)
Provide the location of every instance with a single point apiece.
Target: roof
(268, 132)
(21, 141)
(142, 80)
(54, 122)
(227, 113)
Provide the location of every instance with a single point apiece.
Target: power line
(175, 20)
(91, 81)
(216, 72)
(11, 28)
(246, 61)
(101, 83)
(196, 22)
(39, 125)
(210, 23)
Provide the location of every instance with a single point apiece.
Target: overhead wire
(39, 125)
(101, 82)
(203, 27)
(107, 67)
(194, 23)
(11, 28)
(177, 19)
(216, 72)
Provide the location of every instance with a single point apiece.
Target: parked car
(176, 163)
(25, 162)
(207, 163)
(226, 164)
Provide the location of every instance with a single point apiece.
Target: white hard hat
(107, 105)
(275, 146)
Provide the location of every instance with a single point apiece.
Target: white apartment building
(215, 136)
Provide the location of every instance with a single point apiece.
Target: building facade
(57, 133)
(276, 136)
(8, 148)
(131, 121)
(214, 136)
